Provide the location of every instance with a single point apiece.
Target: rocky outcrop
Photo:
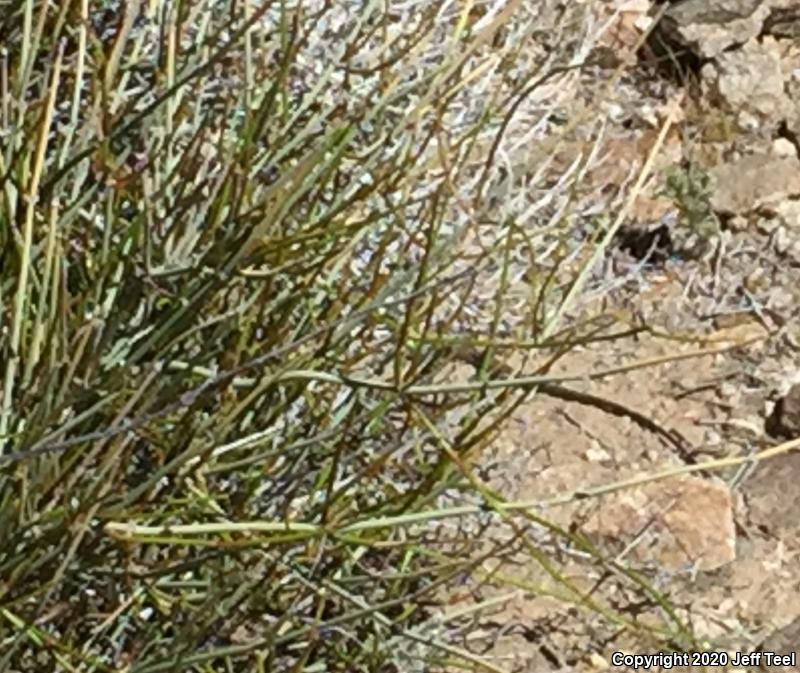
(708, 27)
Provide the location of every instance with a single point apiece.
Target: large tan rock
(753, 182)
(676, 523)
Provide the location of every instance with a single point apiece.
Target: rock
(785, 418)
(786, 233)
(738, 223)
(750, 83)
(675, 523)
(793, 91)
(784, 19)
(782, 241)
(597, 663)
(597, 454)
(708, 27)
(782, 147)
(788, 213)
(786, 240)
(772, 493)
(782, 641)
(753, 182)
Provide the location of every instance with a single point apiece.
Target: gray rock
(708, 27)
(785, 419)
(750, 83)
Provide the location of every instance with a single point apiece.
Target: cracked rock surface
(709, 27)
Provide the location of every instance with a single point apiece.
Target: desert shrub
(239, 266)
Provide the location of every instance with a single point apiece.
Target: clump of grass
(232, 277)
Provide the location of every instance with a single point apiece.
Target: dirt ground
(723, 545)
(720, 540)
